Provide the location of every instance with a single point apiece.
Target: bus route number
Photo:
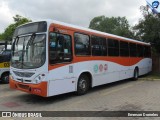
(6, 64)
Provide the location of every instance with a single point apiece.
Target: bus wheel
(83, 84)
(135, 77)
(5, 78)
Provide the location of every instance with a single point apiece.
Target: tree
(114, 25)
(148, 28)
(8, 33)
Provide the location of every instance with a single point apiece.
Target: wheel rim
(82, 85)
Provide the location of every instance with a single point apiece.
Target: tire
(83, 85)
(5, 78)
(135, 76)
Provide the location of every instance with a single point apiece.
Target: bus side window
(60, 48)
(140, 50)
(133, 50)
(66, 47)
(6, 55)
(82, 44)
(124, 49)
(113, 47)
(52, 47)
(99, 46)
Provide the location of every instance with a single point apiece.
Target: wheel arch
(136, 68)
(5, 72)
(89, 75)
(136, 73)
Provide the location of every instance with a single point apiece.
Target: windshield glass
(28, 52)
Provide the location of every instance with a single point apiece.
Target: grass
(151, 76)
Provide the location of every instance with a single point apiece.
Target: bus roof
(49, 21)
(95, 31)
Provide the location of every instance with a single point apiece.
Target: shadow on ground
(33, 99)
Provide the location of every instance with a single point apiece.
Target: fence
(156, 64)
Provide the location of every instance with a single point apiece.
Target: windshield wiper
(30, 41)
(13, 46)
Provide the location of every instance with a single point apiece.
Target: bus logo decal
(95, 68)
(100, 67)
(105, 67)
(155, 4)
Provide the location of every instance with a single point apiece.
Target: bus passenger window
(82, 44)
(60, 48)
(133, 50)
(124, 49)
(113, 47)
(99, 47)
(140, 50)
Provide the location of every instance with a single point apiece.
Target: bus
(51, 58)
(5, 56)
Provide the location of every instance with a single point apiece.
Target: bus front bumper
(37, 89)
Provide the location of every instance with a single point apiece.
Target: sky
(77, 12)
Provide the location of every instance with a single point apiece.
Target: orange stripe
(125, 61)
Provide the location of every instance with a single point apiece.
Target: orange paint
(37, 89)
(124, 61)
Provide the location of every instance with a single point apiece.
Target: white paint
(60, 80)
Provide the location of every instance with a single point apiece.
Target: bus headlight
(38, 79)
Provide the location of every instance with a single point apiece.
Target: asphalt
(126, 95)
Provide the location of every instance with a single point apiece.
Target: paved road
(125, 95)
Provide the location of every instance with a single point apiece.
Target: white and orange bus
(51, 58)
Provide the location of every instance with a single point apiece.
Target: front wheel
(83, 84)
(5, 78)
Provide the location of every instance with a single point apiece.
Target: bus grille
(26, 87)
(23, 74)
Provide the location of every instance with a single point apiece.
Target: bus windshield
(28, 52)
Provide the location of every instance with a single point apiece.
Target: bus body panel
(64, 80)
(40, 89)
(21, 80)
(4, 67)
(61, 80)
(5, 56)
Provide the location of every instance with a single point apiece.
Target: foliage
(8, 33)
(148, 28)
(114, 25)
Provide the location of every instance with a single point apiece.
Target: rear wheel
(136, 74)
(83, 84)
(5, 78)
